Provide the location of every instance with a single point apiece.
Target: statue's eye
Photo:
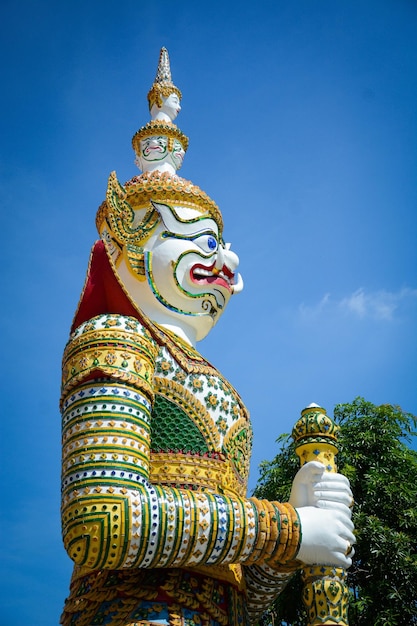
(208, 243)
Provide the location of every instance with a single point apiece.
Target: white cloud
(376, 305)
(314, 310)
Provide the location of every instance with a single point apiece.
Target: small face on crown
(169, 109)
(154, 148)
(159, 152)
(171, 106)
(177, 154)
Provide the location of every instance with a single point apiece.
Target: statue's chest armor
(200, 429)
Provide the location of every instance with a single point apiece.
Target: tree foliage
(382, 469)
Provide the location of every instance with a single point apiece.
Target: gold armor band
(123, 355)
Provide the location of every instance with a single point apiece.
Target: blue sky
(302, 125)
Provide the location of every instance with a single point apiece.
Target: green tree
(382, 469)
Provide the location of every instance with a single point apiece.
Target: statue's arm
(263, 585)
(112, 516)
(322, 500)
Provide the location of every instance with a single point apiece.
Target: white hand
(326, 537)
(314, 486)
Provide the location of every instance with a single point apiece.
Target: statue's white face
(190, 274)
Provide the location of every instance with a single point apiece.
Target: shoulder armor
(110, 345)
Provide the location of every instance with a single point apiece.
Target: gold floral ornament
(118, 215)
(315, 435)
(172, 190)
(121, 228)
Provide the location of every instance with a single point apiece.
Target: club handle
(325, 591)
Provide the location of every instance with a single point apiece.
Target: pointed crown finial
(163, 85)
(163, 73)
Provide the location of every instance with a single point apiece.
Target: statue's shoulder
(114, 324)
(110, 345)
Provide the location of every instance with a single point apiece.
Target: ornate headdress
(161, 88)
(119, 216)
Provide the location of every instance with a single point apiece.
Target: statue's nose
(231, 260)
(219, 259)
(225, 257)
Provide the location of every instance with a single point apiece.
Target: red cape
(102, 292)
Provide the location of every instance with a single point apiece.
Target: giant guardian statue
(156, 442)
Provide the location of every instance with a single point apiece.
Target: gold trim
(157, 127)
(205, 473)
(170, 189)
(232, 443)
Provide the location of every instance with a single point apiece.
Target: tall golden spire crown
(119, 216)
(163, 85)
(169, 154)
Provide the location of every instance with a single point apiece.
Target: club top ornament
(156, 442)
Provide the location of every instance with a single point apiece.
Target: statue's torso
(201, 435)
(200, 440)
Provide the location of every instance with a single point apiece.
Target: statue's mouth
(202, 275)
